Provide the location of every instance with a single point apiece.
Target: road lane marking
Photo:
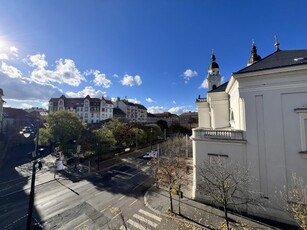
(116, 215)
(128, 174)
(150, 215)
(90, 189)
(135, 224)
(133, 202)
(143, 219)
(105, 208)
(81, 224)
(122, 197)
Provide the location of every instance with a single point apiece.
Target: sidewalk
(201, 215)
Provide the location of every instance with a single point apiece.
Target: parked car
(151, 154)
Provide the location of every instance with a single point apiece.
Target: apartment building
(134, 112)
(89, 110)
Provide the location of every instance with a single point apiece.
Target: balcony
(201, 133)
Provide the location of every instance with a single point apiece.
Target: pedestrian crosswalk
(142, 220)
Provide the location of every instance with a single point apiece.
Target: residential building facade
(259, 119)
(189, 119)
(89, 110)
(134, 112)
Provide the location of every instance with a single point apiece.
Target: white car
(151, 154)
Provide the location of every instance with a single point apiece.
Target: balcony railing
(219, 134)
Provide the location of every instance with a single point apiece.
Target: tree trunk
(226, 216)
(171, 200)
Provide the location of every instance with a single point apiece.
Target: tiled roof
(278, 59)
(72, 102)
(140, 106)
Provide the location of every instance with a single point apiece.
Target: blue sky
(155, 53)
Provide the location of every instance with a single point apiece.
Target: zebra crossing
(142, 220)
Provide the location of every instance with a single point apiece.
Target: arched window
(213, 87)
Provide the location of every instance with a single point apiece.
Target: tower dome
(213, 64)
(254, 56)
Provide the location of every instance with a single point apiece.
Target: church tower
(254, 56)
(214, 78)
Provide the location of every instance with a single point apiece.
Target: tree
(162, 124)
(105, 139)
(61, 127)
(122, 132)
(171, 168)
(295, 198)
(227, 184)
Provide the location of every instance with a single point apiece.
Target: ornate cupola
(214, 78)
(254, 56)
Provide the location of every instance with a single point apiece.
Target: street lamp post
(26, 131)
(31, 201)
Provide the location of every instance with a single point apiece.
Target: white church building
(259, 119)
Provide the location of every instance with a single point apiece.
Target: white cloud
(156, 109)
(45, 104)
(130, 80)
(100, 78)
(88, 90)
(134, 100)
(10, 71)
(174, 102)
(149, 100)
(14, 51)
(26, 106)
(26, 89)
(179, 109)
(65, 71)
(38, 60)
(115, 75)
(188, 74)
(3, 56)
(204, 85)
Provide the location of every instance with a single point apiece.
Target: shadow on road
(15, 174)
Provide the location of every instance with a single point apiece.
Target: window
(302, 112)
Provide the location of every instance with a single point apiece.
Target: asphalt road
(110, 199)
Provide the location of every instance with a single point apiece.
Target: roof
(72, 102)
(118, 112)
(189, 114)
(278, 59)
(15, 113)
(220, 88)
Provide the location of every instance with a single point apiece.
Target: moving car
(151, 154)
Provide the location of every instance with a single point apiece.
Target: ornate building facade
(89, 110)
(259, 119)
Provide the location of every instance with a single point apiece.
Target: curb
(181, 219)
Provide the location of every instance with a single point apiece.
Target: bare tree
(295, 198)
(227, 184)
(171, 168)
